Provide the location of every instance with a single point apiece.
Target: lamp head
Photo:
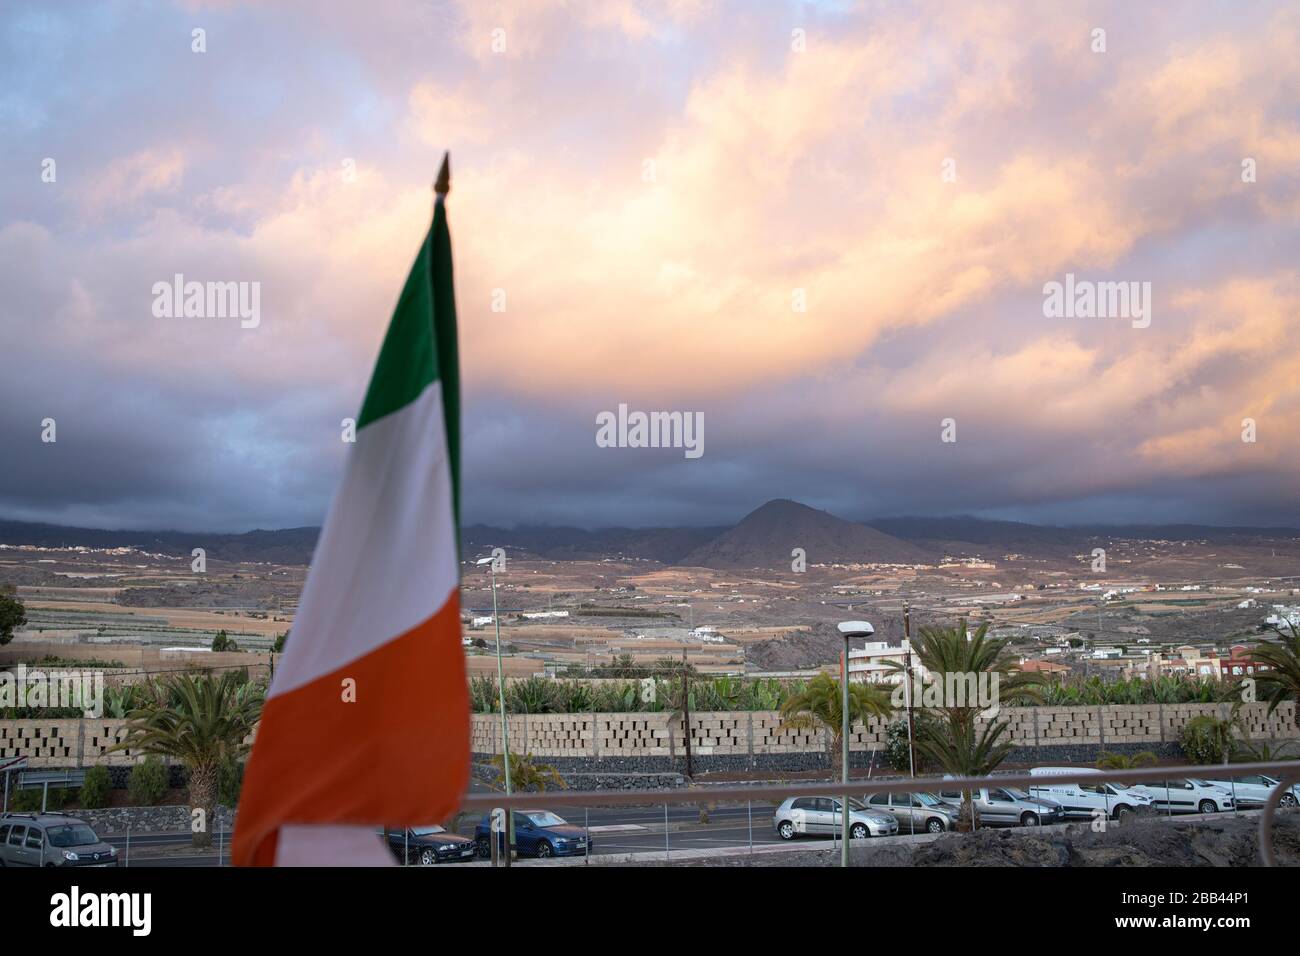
(856, 629)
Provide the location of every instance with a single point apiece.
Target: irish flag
(367, 720)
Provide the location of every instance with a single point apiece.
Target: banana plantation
(544, 695)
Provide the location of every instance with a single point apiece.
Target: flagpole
(442, 185)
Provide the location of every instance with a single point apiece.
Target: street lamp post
(907, 686)
(501, 697)
(850, 629)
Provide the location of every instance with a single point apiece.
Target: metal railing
(1287, 773)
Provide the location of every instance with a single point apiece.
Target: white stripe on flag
(330, 845)
(386, 559)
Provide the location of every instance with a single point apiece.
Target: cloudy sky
(827, 227)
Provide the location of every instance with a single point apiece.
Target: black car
(425, 846)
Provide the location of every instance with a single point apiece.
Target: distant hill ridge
(764, 538)
(767, 536)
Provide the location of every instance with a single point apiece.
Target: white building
(872, 661)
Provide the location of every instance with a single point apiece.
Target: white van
(1187, 795)
(1083, 799)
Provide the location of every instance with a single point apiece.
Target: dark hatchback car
(538, 833)
(428, 845)
(51, 839)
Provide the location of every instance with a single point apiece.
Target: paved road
(614, 830)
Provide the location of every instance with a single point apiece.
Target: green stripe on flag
(420, 347)
(407, 363)
(446, 346)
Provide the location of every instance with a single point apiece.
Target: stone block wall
(66, 743)
(758, 733)
(654, 742)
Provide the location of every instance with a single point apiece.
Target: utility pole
(907, 669)
(686, 710)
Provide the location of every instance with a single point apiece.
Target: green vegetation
(543, 695)
(526, 774)
(40, 713)
(29, 800)
(952, 738)
(1248, 751)
(12, 613)
(147, 784)
(1114, 761)
(230, 781)
(223, 642)
(626, 693)
(1093, 691)
(896, 752)
(592, 610)
(94, 791)
(200, 721)
(820, 707)
(1282, 681)
(75, 663)
(1211, 739)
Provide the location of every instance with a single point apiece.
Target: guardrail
(1287, 772)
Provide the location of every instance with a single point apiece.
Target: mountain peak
(766, 536)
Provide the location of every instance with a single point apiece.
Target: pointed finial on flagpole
(443, 184)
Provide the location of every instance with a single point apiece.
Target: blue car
(539, 833)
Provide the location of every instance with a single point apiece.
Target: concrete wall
(65, 743)
(758, 733)
(645, 742)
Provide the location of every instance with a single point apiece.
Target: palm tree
(1248, 751)
(1210, 739)
(960, 752)
(820, 706)
(526, 774)
(955, 652)
(1281, 681)
(201, 722)
(949, 654)
(1114, 761)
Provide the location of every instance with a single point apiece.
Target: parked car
(429, 845)
(824, 816)
(538, 833)
(1005, 806)
(1189, 795)
(1085, 798)
(51, 839)
(915, 812)
(1254, 789)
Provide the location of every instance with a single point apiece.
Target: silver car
(51, 839)
(823, 816)
(1005, 806)
(1254, 790)
(915, 812)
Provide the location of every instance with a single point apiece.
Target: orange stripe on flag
(398, 755)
